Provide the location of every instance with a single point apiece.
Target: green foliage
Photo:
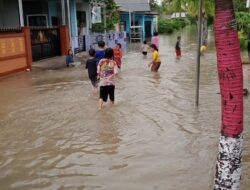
(242, 40)
(192, 19)
(168, 26)
(98, 27)
(240, 5)
(165, 26)
(153, 5)
(112, 15)
(243, 22)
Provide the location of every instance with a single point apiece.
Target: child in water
(144, 48)
(118, 55)
(92, 69)
(156, 62)
(101, 51)
(70, 59)
(178, 48)
(107, 68)
(155, 40)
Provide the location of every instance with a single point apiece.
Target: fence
(15, 50)
(45, 42)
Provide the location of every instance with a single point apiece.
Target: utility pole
(198, 54)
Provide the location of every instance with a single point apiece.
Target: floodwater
(54, 138)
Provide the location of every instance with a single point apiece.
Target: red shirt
(118, 56)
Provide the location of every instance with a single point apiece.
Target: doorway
(148, 26)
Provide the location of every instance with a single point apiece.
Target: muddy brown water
(54, 138)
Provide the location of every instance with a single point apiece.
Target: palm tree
(228, 166)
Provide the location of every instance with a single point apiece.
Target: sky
(159, 1)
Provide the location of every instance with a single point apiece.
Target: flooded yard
(53, 137)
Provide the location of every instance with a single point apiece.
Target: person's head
(109, 53)
(153, 47)
(92, 52)
(145, 42)
(70, 52)
(155, 33)
(119, 46)
(179, 38)
(101, 44)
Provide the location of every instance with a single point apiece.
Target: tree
(228, 166)
(112, 14)
(153, 5)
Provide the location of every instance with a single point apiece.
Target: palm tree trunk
(228, 166)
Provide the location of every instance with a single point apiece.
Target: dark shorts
(155, 66)
(107, 91)
(144, 53)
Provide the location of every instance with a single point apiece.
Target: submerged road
(54, 138)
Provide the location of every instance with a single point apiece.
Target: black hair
(92, 52)
(101, 44)
(178, 37)
(154, 47)
(145, 42)
(120, 45)
(155, 33)
(69, 51)
(109, 53)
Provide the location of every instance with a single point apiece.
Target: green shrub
(243, 22)
(168, 26)
(165, 26)
(98, 27)
(192, 19)
(242, 40)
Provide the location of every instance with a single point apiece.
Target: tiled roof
(133, 5)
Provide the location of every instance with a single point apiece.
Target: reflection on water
(53, 137)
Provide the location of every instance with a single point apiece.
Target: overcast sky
(159, 1)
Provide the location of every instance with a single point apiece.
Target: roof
(133, 5)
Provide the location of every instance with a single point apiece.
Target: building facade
(137, 15)
(44, 17)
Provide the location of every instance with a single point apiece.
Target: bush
(242, 40)
(98, 27)
(165, 27)
(243, 22)
(192, 19)
(168, 26)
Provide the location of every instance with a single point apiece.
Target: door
(148, 25)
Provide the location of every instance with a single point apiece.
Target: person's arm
(86, 67)
(115, 69)
(98, 70)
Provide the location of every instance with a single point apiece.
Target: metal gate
(45, 42)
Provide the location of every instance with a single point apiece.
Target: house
(32, 30)
(137, 15)
(45, 17)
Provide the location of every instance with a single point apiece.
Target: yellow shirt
(156, 57)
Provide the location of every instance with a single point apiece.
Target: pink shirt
(155, 41)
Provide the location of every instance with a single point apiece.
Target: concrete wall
(9, 14)
(84, 6)
(54, 10)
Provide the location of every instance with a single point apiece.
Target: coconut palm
(228, 166)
